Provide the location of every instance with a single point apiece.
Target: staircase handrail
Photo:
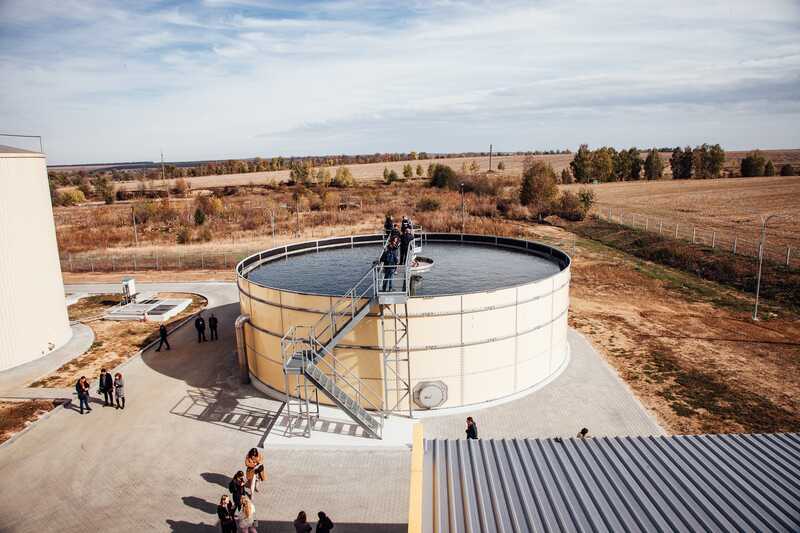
(360, 290)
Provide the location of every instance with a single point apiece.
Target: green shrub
(199, 217)
(343, 178)
(428, 204)
(587, 198)
(787, 170)
(70, 197)
(443, 177)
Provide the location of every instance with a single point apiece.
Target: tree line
(608, 164)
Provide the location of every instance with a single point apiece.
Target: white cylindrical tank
(33, 312)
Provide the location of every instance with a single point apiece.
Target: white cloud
(108, 81)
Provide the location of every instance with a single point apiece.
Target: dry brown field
(731, 205)
(368, 172)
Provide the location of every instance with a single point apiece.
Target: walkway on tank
(162, 463)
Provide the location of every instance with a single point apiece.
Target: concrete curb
(64, 405)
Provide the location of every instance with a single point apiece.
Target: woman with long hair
(236, 487)
(226, 514)
(301, 524)
(119, 390)
(254, 462)
(246, 520)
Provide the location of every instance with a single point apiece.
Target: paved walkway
(588, 394)
(152, 468)
(12, 380)
(163, 462)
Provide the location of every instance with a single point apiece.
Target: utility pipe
(241, 348)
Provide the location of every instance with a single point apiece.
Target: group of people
(398, 242)
(112, 388)
(200, 326)
(237, 513)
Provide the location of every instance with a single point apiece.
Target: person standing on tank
(405, 243)
(200, 326)
(388, 224)
(389, 262)
(212, 326)
(406, 223)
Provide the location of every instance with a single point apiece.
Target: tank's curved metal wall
(483, 346)
(33, 311)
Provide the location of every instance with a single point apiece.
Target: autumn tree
(501, 166)
(420, 171)
(653, 165)
(408, 171)
(787, 170)
(581, 164)
(753, 164)
(769, 169)
(343, 178)
(539, 187)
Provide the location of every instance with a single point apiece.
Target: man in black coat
(212, 326)
(200, 326)
(162, 335)
(107, 387)
(405, 242)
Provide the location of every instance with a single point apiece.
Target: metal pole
(135, 236)
(490, 157)
(764, 222)
(461, 186)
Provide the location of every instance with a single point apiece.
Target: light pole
(133, 217)
(764, 222)
(461, 188)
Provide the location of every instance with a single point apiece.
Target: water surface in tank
(457, 269)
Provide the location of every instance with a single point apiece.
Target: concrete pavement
(163, 462)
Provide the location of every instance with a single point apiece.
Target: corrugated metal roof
(681, 483)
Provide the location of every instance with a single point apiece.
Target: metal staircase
(308, 354)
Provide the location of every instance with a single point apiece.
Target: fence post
(694, 233)
(676, 230)
(91, 265)
(646, 224)
(112, 263)
(609, 215)
(735, 242)
(713, 240)
(134, 261)
(788, 254)
(202, 261)
(660, 226)
(70, 264)
(155, 254)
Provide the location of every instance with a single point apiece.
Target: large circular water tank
(33, 313)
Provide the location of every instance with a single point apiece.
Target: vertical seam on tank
(552, 317)
(461, 340)
(516, 337)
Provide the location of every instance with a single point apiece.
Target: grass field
(732, 205)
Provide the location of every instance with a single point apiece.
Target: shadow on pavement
(200, 503)
(182, 526)
(216, 479)
(264, 526)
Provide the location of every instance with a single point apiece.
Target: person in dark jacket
(301, 524)
(325, 524)
(212, 326)
(472, 428)
(200, 326)
(405, 243)
(389, 262)
(162, 337)
(82, 388)
(387, 226)
(226, 514)
(405, 224)
(107, 387)
(236, 486)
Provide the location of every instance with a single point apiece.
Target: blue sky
(116, 81)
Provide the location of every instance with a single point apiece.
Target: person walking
(226, 514)
(236, 488)
(301, 524)
(82, 388)
(212, 326)
(325, 524)
(472, 429)
(107, 387)
(119, 390)
(246, 518)
(389, 262)
(254, 462)
(162, 337)
(200, 326)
